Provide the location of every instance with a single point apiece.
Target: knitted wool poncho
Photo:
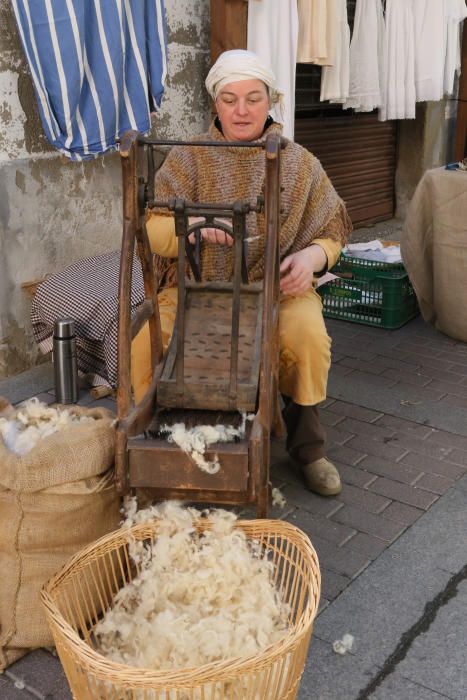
(310, 207)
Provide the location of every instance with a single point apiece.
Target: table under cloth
(434, 249)
(87, 292)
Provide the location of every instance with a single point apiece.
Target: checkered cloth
(87, 292)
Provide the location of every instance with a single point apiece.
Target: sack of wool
(199, 597)
(54, 499)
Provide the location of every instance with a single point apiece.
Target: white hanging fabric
(335, 79)
(456, 12)
(273, 36)
(430, 42)
(316, 32)
(367, 69)
(399, 58)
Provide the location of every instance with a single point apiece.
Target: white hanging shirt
(335, 79)
(430, 42)
(273, 35)
(399, 59)
(367, 73)
(456, 12)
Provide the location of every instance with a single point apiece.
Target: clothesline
(400, 52)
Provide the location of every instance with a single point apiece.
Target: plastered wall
(423, 143)
(52, 211)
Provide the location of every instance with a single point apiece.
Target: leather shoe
(322, 477)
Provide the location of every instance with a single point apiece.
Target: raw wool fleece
(54, 500)
(195, 441)
(33, 421)
(197, 598)
(278, 498)
(84, 449)
(342, 646)
(310, 207)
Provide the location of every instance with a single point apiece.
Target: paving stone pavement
(392, 546)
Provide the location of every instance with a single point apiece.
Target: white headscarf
(233, 66)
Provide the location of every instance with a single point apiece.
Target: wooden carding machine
(223, 357)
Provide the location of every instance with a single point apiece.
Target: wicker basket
(76, 596)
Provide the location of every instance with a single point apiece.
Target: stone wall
(53, 211)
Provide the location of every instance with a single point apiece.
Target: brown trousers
(306, 436)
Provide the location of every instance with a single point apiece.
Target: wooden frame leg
(121, 463)
(264, 487)
(262, 504)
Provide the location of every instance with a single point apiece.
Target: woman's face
(243, 108)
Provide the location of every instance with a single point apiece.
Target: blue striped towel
(98, 68)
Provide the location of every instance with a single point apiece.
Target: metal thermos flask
(64, 360)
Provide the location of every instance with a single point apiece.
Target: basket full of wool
(182, 604)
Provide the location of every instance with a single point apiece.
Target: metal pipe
(214, 144)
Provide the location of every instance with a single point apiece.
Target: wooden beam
(461, 126)
(158, 464)
(229, 22)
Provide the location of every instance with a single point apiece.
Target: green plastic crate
(380, 294)
(365, 269)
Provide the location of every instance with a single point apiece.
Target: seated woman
(313, 228)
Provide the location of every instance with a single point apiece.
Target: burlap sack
(54, 500)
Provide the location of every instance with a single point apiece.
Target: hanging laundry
(98, 68)
(272, 35)
(430, 29)
(367, 66)
(317, 24)
(399, 59)
(335, 79)
(456, 12)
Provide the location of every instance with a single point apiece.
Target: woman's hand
(297, 270)
(211, 235)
